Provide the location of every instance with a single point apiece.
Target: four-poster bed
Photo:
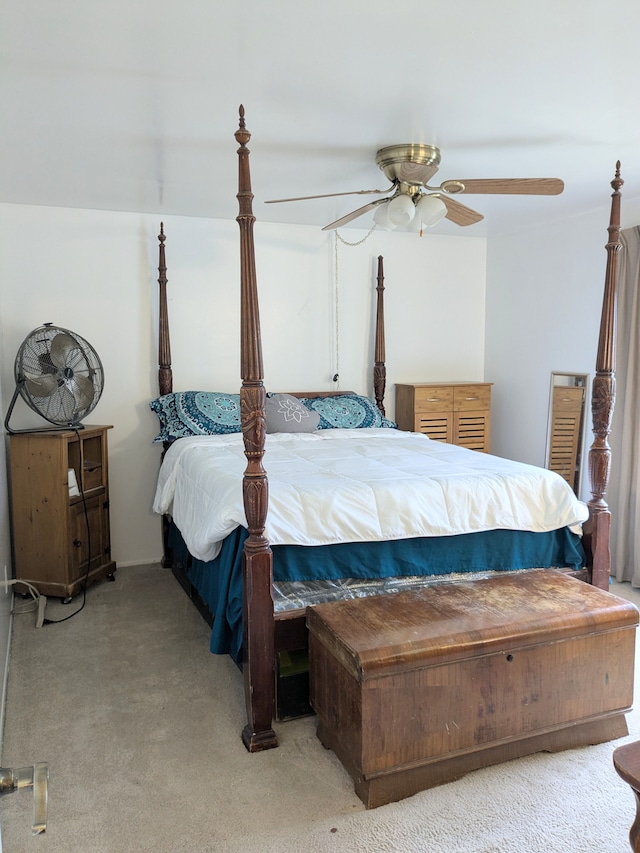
(265, 633)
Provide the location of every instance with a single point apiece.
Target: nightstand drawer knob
(77, 543)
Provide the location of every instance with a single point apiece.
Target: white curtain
(624, 481)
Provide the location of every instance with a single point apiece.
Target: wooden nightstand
(57, 529)
(456, 412)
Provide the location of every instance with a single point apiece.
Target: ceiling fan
(411, 203)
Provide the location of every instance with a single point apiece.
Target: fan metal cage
(59, 375)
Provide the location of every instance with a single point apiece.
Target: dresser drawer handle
(433, 399)
(472, 398)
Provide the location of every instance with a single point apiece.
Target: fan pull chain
(336, 375)
(358, 242)
(336, 315)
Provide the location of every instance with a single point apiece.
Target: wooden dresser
(61, 533)
(455, 412)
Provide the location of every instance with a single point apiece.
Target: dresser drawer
(568, 399)
(433, 398)
(471, 397)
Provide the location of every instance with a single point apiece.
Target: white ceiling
(131, 105)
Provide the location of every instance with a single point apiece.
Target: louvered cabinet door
(564, 439)
(472, 416)
(437, 425)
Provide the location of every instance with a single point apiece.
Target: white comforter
(341, 485)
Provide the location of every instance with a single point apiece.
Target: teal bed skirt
(219, 582)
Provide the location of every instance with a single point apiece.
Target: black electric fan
(59, 375)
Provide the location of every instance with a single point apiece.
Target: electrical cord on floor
(31, 591)
(86, 575)
(38, 600)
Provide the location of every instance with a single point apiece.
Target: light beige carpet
(141, 727)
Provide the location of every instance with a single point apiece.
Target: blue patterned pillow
(347, 411)
(185, 413)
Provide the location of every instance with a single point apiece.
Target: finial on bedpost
(603, 397)
(617, 178)
(165, 375)
(252, 392)
(242, 134)
(379, 368)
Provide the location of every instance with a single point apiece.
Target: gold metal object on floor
(36, 777)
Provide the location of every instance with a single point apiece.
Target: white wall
(544, 298)
(95, 273)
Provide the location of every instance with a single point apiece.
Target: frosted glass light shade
(415, 226)
(430, 210)
(381, 217)
(401, 210)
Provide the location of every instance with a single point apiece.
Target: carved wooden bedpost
(603, 398)
(379, 369)
(257, 568)
(165, 374)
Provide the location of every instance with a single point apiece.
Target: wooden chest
(417, 688)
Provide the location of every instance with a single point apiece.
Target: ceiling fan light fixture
(415, 226)
(381, 217)
(430, 209)
(401, 210)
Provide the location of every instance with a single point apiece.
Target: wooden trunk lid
(396, 633)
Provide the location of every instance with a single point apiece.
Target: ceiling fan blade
(353, 215)
(41, 386)
(460, 213)
(60, 348)
(330, 195)
(512, 186)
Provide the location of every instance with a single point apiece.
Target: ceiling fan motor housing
(410, 163)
